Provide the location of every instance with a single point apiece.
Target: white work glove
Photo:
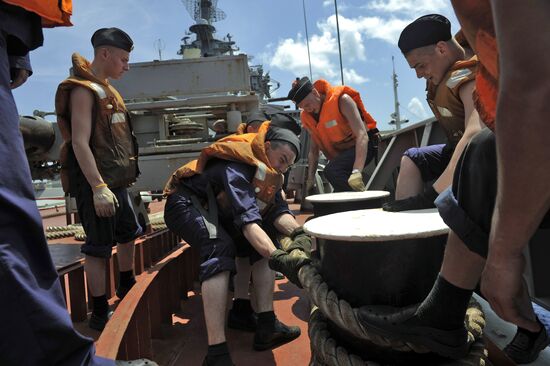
(105, 202)
(355, 181)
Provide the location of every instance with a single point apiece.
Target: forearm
(87, 164)
(285, 224)
(259, 240)
(312, 163)
(523, 150)
(361, 148)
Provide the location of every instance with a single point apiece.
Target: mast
(395, 115)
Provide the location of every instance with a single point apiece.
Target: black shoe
(274, 336)
(402, 324)
(121, 291)
(525, 349)
(242, 321)
(98, 322)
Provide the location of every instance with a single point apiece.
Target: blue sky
(272, 32)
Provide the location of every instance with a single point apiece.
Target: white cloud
(352, 77)
(327, 3)
(409, 7)
(291, 55)
(350, 37)
(417, 109)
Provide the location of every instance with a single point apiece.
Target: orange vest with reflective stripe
(332, 133)
(248, 148)
(54, 13)
(477, 25)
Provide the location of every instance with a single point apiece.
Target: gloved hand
(355, 181)
(300, 241)
(420, 201)
(105, 202)
(288, 264)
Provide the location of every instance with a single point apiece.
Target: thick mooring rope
(327, 352)
(344, 316)
(58, 232)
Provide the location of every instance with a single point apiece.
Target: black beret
(300, 90)
(256, 116)
(285, 120)
(282, 134)
(424, 31)
(112, 37)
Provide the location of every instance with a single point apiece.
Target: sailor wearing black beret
(436, 56)
(339, 126)
(100, 156)
(112, 37)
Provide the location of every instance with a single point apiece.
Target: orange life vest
(54, 13)
(248, 148)
(477, 25)
(332, 133)
(112, 141)
(241, 129)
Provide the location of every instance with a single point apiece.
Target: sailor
(436, 56)
(35, 325)
(492, 216)
(253, 122)
(340, 127)
(242, 315)
(230, 200)
(99, 161)
(220, 128)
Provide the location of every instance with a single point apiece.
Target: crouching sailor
(231, 196)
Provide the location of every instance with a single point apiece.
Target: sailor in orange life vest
(431, 51)
(242, 315)
(99, 161)
(239, 180)
(35, 325)
(340, 127)
(492, 215)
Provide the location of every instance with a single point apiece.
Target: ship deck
(184, 340)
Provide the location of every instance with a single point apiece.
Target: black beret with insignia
(112, 37)
(424, 31)
(300, 90)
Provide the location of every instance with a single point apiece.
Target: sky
(270, 32)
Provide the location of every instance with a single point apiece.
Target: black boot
(437, 323)
(100, 313)
(272, 333)
(126, 282)
(526, 345)
(242, 316)
(218, 355)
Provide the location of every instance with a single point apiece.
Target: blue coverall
(35, 327)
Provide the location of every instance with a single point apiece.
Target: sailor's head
(219, 126)
(113, 46)
(429, 47)
(282, 148)
(255, 120)
(305, 95)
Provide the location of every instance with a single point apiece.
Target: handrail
(151, 302)
(149, 250)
